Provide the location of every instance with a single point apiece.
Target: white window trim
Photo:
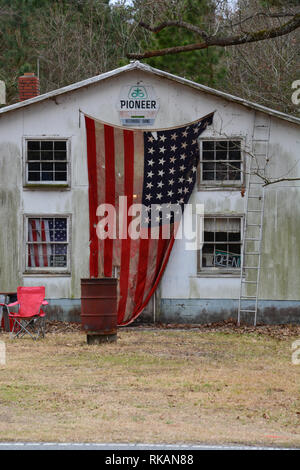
(221, 272)
(46, 184)
(221, 185)
(47, 270)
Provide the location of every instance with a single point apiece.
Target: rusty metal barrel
(99, 309)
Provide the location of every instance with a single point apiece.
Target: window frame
(46, 184)
(225, 184)
(219, 271)
(27, 270)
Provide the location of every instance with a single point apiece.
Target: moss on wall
(11, 223)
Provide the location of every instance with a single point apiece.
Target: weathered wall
(10, 207)
(178, 104)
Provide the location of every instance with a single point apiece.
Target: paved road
(125, 447)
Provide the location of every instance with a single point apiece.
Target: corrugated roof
(136, 65)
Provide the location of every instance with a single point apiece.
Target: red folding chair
(30, 318)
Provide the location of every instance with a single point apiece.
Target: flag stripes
(123, 162)
(93, 194)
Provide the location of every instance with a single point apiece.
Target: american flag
(155, 168)
(42, 235)
(171, 159)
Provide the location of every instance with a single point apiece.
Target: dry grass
(151, 386)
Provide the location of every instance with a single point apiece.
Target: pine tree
(200, 66)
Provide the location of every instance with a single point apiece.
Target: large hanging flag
(127, 169)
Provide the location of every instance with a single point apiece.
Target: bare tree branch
(279, 180)
(262, 166)
(179, 24)
(261, 14)
(245, 37)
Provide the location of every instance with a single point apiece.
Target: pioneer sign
(137, 105)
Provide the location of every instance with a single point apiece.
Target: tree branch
(246, 37)
(278, 180)
(179, 24)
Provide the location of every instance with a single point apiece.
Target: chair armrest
(45, 302)
(13, 304)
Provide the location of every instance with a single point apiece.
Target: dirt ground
(215, 383)
(280, 332)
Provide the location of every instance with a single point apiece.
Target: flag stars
(170, 171)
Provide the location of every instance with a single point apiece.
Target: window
(47, 244)
(221, 162)
(221, 250)
(46, 161)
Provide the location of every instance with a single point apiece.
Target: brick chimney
(29, 86)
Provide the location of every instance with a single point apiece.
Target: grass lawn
(152, 386)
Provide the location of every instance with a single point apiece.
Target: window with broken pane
(221, 161)
(46, 161)
(222, 243)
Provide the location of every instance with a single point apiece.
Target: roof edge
(137, 65)
(68, 88)
(221, 94)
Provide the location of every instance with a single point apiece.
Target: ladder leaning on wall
(253, 221)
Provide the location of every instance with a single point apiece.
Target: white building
(196, 287)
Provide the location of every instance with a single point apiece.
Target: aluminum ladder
(253, 221)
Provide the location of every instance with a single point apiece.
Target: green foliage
(70, 40)
(66, 40)
(201, 65)
(16, 54)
